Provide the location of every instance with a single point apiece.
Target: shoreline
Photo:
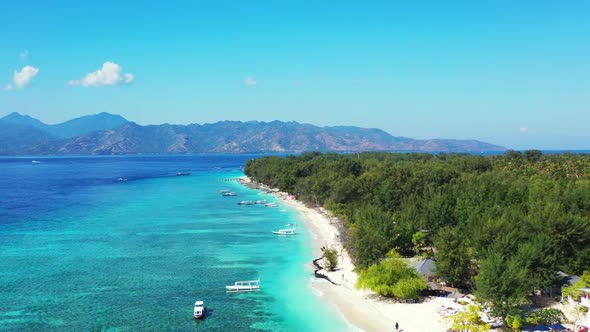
(361, 308)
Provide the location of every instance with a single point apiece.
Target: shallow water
(81, 251)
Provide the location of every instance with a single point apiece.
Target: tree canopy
(502, 225)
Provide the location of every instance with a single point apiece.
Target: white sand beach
(362, 308)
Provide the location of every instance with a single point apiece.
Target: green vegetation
(392, 277)
(499, 225)
(545, 317)
(514, 322)
(574, 290)
(331, 256)
(469, 321)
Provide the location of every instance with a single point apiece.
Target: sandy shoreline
(363, 309)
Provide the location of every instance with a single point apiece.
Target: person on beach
(396, 326)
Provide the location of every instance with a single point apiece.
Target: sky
(513, 73)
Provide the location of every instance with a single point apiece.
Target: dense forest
(501, 226)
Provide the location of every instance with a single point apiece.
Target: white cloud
(22, 78)
(250, 81)
(24, 54)
(524, 129)
(110, 74)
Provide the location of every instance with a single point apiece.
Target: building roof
(566, 278)
(423, 266)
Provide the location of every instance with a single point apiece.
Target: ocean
(81, 251)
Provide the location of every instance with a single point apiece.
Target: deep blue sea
(80, 251)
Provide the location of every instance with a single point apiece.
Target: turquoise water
(136, 255)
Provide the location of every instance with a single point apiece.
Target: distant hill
(17, 138)
(72, 128)
(111, 134)
(18, 119)
(87, 124)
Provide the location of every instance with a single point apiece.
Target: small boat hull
(284, 232)
(244, 286)
(199, 311)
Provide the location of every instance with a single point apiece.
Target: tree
(392, 277)
(409, 287)
(372, 236)
(503, 283)
(453, 260)
(539, 257)
(533, 155)
(419, 241)
(469, 321)
(331, 256)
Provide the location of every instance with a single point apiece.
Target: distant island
(106, 133)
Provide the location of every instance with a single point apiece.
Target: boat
(246, 203)
(35, 161)
(229, 193)
(287, 231)
(121, 179)
(182, 173)
(290, 225)
(244, 286)
(199, 310)
(271, 205)
(261, 201)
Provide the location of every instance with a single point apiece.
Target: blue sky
(515, 73)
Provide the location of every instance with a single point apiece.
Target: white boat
(229, 193)
(199, 309)
(287, 231)
(183, 173)
(261, 201)
(246, 203)
(244, 286)
(271, 205)
(35, 161)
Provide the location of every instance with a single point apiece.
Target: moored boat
(287, 231)
(246, 203)
(199, 311)
(271, 205)
(229, 193)
(261, 201)
(244, 286)
(182, 173)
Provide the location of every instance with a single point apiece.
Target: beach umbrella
(557, 327)
(535, 328)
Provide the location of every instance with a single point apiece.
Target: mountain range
(106, 133)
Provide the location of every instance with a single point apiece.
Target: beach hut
(424, 267)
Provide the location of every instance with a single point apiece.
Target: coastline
(361, 308)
